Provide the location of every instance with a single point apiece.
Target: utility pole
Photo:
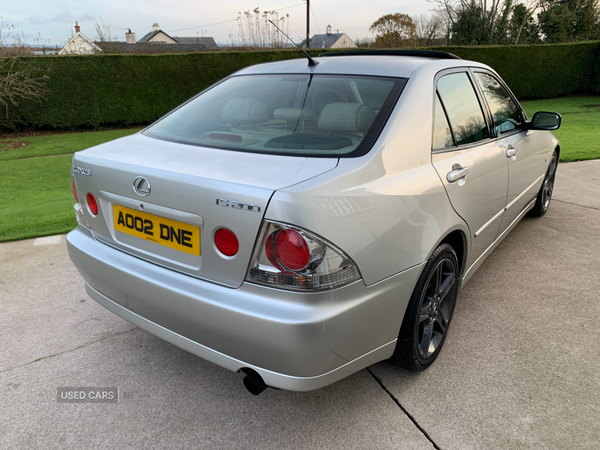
(307, 23)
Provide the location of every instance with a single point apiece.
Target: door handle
(457, 173)
(511, 151)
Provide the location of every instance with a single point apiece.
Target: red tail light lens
(289, 257)
(291, 250)
(226, 242)
(92, 205)
(74, 191)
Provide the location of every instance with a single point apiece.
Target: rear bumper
(295, 341)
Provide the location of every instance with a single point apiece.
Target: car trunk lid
(184, 195)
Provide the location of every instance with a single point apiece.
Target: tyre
(545, 195)
(429, 312)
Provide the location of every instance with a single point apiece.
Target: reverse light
(77, 205)
(291, 258)
(74, 189)
(226, 242)
(92, 204)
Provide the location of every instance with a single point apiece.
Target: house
(171, 43)
(331, 40)
(156, 36)
(156, 41)
(79, 44)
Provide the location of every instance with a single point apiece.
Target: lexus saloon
(301, 220)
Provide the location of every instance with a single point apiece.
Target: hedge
(541, 71)
(126, 90)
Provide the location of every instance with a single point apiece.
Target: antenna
(311, 62)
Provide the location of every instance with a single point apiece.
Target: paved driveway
(520, 368)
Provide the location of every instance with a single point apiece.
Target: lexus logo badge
(141, 186)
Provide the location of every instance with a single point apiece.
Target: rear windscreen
(303, 115)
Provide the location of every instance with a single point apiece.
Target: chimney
(77, 27)
(328, 30)
(155, 27)
(130, 37)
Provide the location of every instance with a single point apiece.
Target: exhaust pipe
(253, 382)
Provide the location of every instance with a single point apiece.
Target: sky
(51, 22)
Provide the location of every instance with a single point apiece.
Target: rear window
(299, 115)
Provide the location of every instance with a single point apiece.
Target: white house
(157, 36)
(331, 40)
(79, 44)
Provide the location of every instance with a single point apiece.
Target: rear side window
(298, 115)
(505, 112)
(463, 109)
(442, 137)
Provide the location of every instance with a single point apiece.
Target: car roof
(374, 65)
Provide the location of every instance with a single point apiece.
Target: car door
(526, 161)
(470, 163)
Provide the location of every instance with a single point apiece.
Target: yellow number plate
(167, 232)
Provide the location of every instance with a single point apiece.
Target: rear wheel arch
(458, 241)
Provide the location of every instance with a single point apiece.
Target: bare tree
(428, 28)
(20, 79)
(254, 29)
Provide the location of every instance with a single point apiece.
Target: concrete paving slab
(54, 336)
(44, 309)
(520, 368)
(583, 181)
(172, 399)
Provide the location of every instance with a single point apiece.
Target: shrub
(126, 90)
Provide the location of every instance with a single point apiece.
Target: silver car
(298, 222)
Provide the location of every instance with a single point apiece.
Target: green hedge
(541, 71)
(126, 90)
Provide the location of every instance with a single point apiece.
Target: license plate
(170, 233)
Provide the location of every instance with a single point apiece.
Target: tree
(394, 30)
(429, 28)
(256, 31)
(19, 78)
(475, 24)
(522, 27)
(568, 20)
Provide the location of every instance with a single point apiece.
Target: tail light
(92, 204)
(77, 205)
(74, 189)
(291, 258)
(226, 242)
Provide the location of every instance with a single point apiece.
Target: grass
(35, 195)
(56, 144)
(579, 134)
(35, 187)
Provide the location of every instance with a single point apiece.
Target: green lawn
(35, 194)
(35, 197)
(57, 144)
(35, 189)
(579, 133)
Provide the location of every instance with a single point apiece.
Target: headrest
(287, 113)
(245, 110)
(348, 117)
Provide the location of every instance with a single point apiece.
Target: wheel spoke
(424, 313)
(446, 285)
(439, 276)
(426, 339)
(443, 315)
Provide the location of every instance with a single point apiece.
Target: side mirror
(545, 121)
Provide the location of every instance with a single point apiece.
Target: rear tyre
(545, 195)
(429, 312)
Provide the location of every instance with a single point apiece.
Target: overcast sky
(53, 21)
